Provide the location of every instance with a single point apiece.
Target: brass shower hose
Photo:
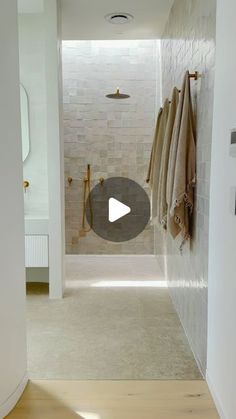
(87, 196)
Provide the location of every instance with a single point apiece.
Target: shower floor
(116, 321)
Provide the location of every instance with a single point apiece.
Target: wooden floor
(115, 400)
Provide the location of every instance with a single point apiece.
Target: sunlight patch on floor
(87, 415)
(116, 284)
(138, 284)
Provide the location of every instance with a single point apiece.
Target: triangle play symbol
(117, 210)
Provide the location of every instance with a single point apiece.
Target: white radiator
(36, 251)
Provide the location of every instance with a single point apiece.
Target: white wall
(32, 76)
(55, 149)
(12, 275)
(40, 72)
(221, 369)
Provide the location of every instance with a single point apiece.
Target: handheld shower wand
(86, 196)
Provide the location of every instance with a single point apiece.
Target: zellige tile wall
(114, 136)
(189, 44)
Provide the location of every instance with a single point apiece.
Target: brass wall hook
(26, 185)
(70, 180)
(194, 75)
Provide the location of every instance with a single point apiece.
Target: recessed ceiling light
(119, 18)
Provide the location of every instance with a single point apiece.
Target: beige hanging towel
(182, 167)
(150, 168)
(156, 162)
(162, 201)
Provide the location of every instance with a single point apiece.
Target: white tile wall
(189, 44)
(115, 137)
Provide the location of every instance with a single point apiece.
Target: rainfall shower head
(117, 95)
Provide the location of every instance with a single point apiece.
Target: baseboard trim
(215, 397)
(10, 403)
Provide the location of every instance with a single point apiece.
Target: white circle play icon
(117, 210)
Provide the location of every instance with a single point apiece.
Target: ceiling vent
(119, 18)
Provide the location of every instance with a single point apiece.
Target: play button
(118, 209)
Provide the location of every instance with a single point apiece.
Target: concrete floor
(116, 321)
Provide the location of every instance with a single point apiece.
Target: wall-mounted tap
(26, 185)
(70, 180)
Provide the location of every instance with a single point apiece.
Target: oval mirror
(25, 132)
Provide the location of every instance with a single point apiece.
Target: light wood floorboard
(115, 400)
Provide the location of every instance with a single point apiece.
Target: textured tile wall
(189, 44)
(115, 137)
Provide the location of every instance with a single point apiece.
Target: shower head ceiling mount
(117, 95)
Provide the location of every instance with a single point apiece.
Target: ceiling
(84, 19)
